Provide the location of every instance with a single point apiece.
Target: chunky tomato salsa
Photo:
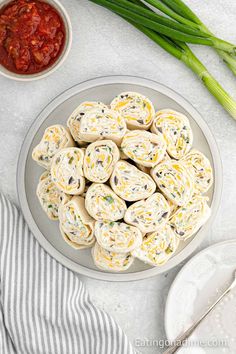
(32, 36)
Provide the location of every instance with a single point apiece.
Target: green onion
(228, 60)
(177, 10)
(145, 11)
(181, 51)
(152, 24)
(210, 82)
(193, 22)
(165, 30)
(166, 10)
(180, 8)
(184, 53)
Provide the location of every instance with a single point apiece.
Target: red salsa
(32, 36)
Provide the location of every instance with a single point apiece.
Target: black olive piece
(71, 179)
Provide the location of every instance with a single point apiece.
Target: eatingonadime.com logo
(163, 343)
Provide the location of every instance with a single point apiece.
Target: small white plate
(199, 283)
(104, 89)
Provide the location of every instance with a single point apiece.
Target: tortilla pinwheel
(157, 247)
(189, 218)
(103, 204)
(202, 170)
(174, 180)
(76, 225)
(144, 148)
(100, 159)
(50, 197)
(111, 261)
(102, 123)
(54, 139)
(130, 183)
(117, 236)
(176, 130)
(149, 215)
(67, 171)
(137, 109)
(73, 122)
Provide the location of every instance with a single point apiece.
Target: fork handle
(179, 341)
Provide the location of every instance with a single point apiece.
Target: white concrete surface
(104, 44)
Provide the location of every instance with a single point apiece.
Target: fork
(178, 342)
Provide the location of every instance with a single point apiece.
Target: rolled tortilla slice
(76, 225)
(50, 197)
(111, 261)
(137, 109)
(202, 170)
(157, 247)
(54, 139)
(102, 123)
(149, 215)
(117, 236)
(73, 122)
(67, 172)
(144, 148)
(174, 180)
(176, 130)
(130, 183)
(103, 204)
(100, 159)
(188, 219)
(75, 245)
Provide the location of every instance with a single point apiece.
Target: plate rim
(22, 159)
(179, 274)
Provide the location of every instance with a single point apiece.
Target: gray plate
(105, 89)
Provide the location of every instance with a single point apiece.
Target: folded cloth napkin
(44, 307)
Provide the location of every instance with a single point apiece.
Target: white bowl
(68, 41)
(104, 89)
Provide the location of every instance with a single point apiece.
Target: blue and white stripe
(44, 307)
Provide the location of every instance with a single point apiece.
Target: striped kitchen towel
(44, 307)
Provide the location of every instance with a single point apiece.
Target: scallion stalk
(165, 30)
(185, 54)
(179, 11)
(209, 81)
(145, 11)
(182, 52)
(183, 10)
(158, 4)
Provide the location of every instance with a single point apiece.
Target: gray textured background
(103, 44)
